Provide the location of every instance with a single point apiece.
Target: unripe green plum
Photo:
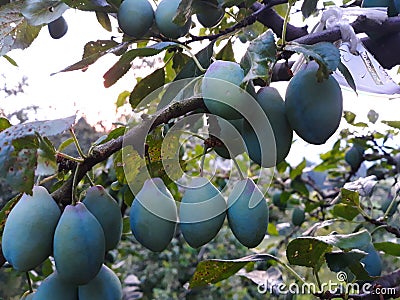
(354, 157)
(248, 213)
(232, 140)
(107, 212)
(298, 216)
(209, 14)
(58, 28)
(53, 287)
(202, 212)
(276, 200)
(313, 108)
(372, 262)
(164, 15)
(257, 146)
(153, 215)
(105, 286)
(28, 232)
(221, 91)
(79, 245)
(135, 17)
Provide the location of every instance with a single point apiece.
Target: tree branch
(104, 151)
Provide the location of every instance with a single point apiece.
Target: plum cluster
(136, 17)
(77, 238)
(202, 211)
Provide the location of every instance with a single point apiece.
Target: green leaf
(10, 60)
(147, 85)
(324, 53)
(124, 63)
(306, 251)
(349, 116)
(309, 251)
(93, 51)
(65, 144)
(126, 227)
(347, 75)
(214, 270)
(47, 267)
(388, 247)
(349, 197)
(121, 100)
(299, 186)
(183, 13)
(394, 124)
(337, 261)
(18, 150)
(104, 20)
(308, 7)
(298, 170)
(190, 69)
(340, 261)
(46, 161)
(15, 32)
(226, 53)
(39, 12)
(260, 57)
(91, 5)
(115, 133)
(4, 124)
(347, 212)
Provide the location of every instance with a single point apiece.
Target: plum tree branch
(104, 151)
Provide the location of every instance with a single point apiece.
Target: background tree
(336, 218)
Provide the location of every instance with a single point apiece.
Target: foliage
(326, 221)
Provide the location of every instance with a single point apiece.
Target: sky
(83, 93)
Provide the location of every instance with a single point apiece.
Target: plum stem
(75, 184)
(285, 23)
(76, 142)
(28, 279)
(238, 168)
(203, 158)
(196, 61)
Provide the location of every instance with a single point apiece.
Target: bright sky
(83, 93)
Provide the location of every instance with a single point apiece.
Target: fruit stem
(74, 185)
(387, 212)
(90, 180)
(238, 168)
(196, 157)
(28, 278)
(78, 147)
(193, 134)
(196, 61)
(77, 160)
(203, 158)
(285, 23)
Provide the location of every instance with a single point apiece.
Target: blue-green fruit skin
(107, 212)
(248, 213)
(372, 262)
(28, 233)
(58, 28)
(229, 76)
(298, 216)
(202, 212)
(354, 157)
(153, 215)
(79, 245)
(164, 15)
(273, 106)
(53, 287)
(105, 286)
(233, 140)
(313, 108)
(135, 17)
(209, 14)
